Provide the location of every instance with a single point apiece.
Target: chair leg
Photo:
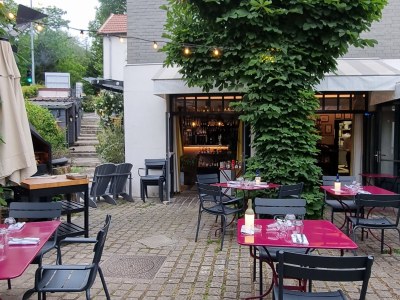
(198, 225)
(142, 191)
(161, 190)
(254, 264)
(88, 294)
(261, 277)
(104, 284)
(382, 240)
(223, 223)
(9, 284)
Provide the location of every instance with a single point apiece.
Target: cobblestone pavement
(150, 253)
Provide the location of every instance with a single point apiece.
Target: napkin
(363, 192)
(16, 226)
(24, 241)
(298, 238)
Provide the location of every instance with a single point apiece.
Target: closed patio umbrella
(17, 158)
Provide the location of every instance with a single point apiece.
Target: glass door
(387, 152)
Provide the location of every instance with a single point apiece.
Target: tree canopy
(274, 52)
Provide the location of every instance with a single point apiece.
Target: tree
(275, 52)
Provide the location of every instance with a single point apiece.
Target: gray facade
(146, 20)
(386, 32)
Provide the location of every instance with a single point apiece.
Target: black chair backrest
(368, 200)
(121, 175)
(98, 249)
(209, 193)
(35, 210)
(329, 180)
(324, 268)
(290, 190)
(101, 178)
(155, 164)
(207, 178)
(280, 207)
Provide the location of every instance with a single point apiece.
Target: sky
(79, 12)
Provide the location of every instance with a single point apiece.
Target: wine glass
(9, 221)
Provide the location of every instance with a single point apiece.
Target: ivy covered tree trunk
(274, 51)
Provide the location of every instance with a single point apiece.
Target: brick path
(150, 253)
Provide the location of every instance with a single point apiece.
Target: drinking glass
(3, 243)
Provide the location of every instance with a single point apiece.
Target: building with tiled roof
(115, 24)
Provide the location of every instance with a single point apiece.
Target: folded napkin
(24, 241)
(363, 192)
(298, 238)
(16, 226)
(250, 231)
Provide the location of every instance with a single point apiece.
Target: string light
(39, 27)
(187, 51)
(155, 45)
(216, 52)
(11, 16)
(121, 39)
(81, 32)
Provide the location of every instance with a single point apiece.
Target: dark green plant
(111, 147)
(30, 91)
(88, 103)
(45, 124)
(274, 52)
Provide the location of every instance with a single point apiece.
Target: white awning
(352, 75)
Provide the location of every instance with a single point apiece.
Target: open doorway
(344, 144)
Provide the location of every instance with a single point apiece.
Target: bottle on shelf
(337, 184)
(249, 216)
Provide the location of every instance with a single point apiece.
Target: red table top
(254, 187)
(18, 257)
(346, 192)
(321, 234)
(377, 175)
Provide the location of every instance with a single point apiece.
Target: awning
(352, 75)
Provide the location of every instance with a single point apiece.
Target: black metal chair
(101, 179)
(335, 204)
(121, 176)
(321, 268)
(148, 179)
(274, 208)
(360, 220)
(213, 178)
(37, 211)
(211, 201)
(73, 277)
(290, 190)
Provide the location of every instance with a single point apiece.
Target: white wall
(114, 57)
(144, 121)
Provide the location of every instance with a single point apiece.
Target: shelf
(69, 229)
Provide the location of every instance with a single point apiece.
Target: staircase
(83, 152)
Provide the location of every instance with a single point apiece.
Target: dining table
(19, 256)
(370, 178)
(247, 187)
(318, 234)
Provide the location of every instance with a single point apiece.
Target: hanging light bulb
(11, 16)
(81, 32)
(39, 27)
(216, 52)
(155, 45)
(186, 51)
(121, 39)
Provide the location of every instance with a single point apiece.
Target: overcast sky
(79, 12)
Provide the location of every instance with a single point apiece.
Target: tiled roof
(114, 24)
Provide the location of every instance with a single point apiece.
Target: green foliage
(45, 124)
(89, 103)
(275, 52)
(30, 91)
(109, 105)
(111, 144)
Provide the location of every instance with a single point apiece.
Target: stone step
(86, 162)
(85, 143)
(87, 137)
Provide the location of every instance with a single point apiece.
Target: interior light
(155, 45)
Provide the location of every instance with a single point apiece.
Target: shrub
(108, 105)
(45, 124)
(89, 103)
(30, 91)
(111, 144)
